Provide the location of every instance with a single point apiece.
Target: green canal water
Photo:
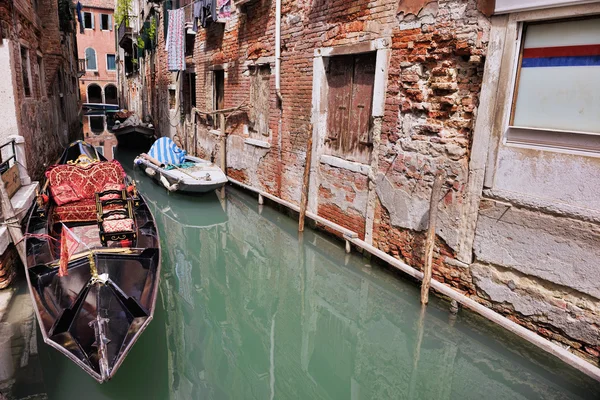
(248, 310)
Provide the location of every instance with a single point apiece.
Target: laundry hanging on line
(175, 42)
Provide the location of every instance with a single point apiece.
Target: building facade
(385, 95)
(39, 96)
(97, 54)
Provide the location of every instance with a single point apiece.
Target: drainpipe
(278, 87)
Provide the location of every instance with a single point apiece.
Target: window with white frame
(106, 22)
(88, 20)
(111, 64)
(557, 85)
(90, 60)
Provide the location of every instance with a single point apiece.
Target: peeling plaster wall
(8, 111)
(533, 265)
(537, 234)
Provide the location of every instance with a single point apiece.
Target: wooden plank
(430, 241)
(304, 198)
(12, 180)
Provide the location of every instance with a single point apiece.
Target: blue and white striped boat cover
(167, 152)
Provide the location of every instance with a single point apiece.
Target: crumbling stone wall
(437, 53)
(49, 118)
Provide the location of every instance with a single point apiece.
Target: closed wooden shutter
(351, 80)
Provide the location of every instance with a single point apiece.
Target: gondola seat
(115, 217)
(73, 188)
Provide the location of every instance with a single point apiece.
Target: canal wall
(429, 85)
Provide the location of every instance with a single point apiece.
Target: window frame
(41, 74)
(216, 118)
(106, 60)
(91, 20)
(26, 71)
(544, 139)
(108, 22)
(95, 59)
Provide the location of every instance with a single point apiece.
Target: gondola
(97, 311)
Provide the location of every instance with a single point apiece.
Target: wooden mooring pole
(430, 240)
(305, 181)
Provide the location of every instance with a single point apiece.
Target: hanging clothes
(208, 12)
(79, 17)
(175, 42)
(198, 6)
(224, 9)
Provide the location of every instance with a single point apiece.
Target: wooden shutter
(339, 79)
(362, 99)
(92, 19)
(110, 24)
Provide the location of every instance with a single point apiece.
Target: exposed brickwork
(437, 53)
(48, 118)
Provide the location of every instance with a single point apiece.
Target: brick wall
(48, 118)
(436, 53)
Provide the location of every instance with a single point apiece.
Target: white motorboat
(179, 172)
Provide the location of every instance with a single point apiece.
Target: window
(111, 63)
(350, 79)
(97, 124)
(106, 22)
(189, 92)
(88, 20)
(90, 59)
(189, 44)
(218, 94)
(555, 101)
(259, 98)
(41, 75)
(172, 99)
(26, 71)
(94, 93)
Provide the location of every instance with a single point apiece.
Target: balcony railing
(124, 35)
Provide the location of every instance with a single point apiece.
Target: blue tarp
(167, 152)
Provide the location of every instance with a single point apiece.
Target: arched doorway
(110, 94)
(94, 93)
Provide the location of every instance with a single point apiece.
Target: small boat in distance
(93, 261)
(179, 172)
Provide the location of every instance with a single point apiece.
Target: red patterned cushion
(82, 210)
(89, 179)
(112, 186)
(118, 225)
(63, 194)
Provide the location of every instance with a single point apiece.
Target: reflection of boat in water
(96, 312)
(187, 211)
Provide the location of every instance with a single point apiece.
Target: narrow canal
(247, 310)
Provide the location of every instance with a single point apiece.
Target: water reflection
(97, 132)
(247, 310)
(255, 313)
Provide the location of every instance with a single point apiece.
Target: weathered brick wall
(48, 118)
(436, 59)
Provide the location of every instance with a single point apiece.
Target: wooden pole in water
(305, 181)
(12, 223)
(430, 240)
(223, 143)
